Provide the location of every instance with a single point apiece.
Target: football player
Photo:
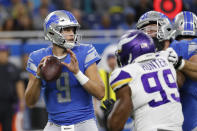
(159, 27)
(185, 45)
(145, 85)
(69, 98)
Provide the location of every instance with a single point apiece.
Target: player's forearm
(119, 115)
(95, 88)
(32, 92)
(191, 74)
(91, 83)
(121, 110)
(190, 66)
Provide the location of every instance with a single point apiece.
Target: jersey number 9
(64, 94)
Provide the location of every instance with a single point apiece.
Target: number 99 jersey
(155, 97)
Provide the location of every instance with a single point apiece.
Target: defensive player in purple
(69, 98)
(145, 85)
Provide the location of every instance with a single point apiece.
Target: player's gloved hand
(178, 62)
(109, 104)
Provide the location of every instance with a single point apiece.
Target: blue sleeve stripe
(92, 49)
(91, 56)
(31, 71)
(97, 59)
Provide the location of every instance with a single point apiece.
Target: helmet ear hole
(168, 29)
(51, 33)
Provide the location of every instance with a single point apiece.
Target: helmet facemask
(59, 39)
(159, 30)
(55, 23)
(73, 42)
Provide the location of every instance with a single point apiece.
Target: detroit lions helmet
(164, 30)
(133, 45)
(53, 25)
(185, 24)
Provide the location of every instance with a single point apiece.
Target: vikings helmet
(185, 24)
(134, 44)
(164, 30)
(55, 22)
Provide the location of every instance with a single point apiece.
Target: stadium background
(102, 21)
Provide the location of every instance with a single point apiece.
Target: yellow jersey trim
(121, 82)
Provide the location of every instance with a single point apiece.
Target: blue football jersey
(186, 49)
(67, 102)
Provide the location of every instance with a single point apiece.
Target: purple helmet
(133, 44)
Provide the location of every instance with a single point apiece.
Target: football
(51, 69)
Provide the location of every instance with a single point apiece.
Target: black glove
(109, 104)
(179, 62)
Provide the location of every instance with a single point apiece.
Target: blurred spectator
(46, 4)
(129, 19)
(64, 4)
(113, 6)
(117, 19)
(86, 6)
(24, 23)
(78, 15)
(8, 25)
(18, 9)
(193, 6)
(34, 4)
(67, 5)
(105, 23)
(142, 7)
(10, 86)
(3, 15)
(38, 18)
(106, 66)
(8, 3)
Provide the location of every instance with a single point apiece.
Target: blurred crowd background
(91, 14)
(111, 17)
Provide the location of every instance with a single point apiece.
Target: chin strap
(158, 45)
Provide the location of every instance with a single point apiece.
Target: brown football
(51, 69)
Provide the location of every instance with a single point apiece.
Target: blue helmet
(185, 24)
(134, 45)
(164, 29)
(53, 25)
